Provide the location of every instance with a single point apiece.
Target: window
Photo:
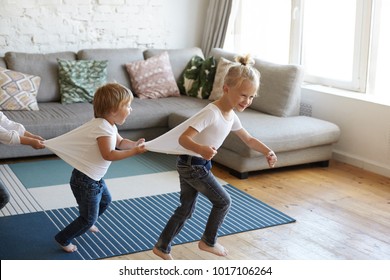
(261, 28)
(341, 44)
(378, 83)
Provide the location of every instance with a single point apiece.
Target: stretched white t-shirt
(212, 126)
(10, 131)
(80, 149)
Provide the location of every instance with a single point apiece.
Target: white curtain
(217, 20)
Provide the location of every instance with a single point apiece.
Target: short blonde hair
(109, 97)
(242, 70)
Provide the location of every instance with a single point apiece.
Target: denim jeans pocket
(199, 171)
(94, 189)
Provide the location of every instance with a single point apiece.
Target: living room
(51, 26)
(46, 26)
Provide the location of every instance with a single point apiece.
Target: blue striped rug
(128, 226)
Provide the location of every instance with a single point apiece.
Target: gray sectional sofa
(273, 117)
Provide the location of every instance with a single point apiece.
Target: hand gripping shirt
(80, 149)
(212, 126)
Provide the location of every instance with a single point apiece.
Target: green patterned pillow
(79, 79)
(198, 77)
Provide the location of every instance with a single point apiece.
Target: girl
(201, 136)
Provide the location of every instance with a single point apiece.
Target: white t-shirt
(80, 149)
(10, 131)
(213, 128)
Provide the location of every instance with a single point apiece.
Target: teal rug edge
(58, 172)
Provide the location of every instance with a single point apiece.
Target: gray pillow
(280, 89)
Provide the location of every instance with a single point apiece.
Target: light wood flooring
(342, 212)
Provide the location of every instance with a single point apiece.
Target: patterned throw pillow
(79, 79)
(153, 77)
(18, 91)
(198, 77)
(222, 69)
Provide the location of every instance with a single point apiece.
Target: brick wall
(57, 25)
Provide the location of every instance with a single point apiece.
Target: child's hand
(272, 159)
(34, 143)
(140, 142)
(140, 149)
(37, 144)
(208, 152)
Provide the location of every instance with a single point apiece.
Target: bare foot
(217, 249)
(94, 229)
(162, 254)
(69, 248)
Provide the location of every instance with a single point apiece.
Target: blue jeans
(93, 199)
(195, 177)
(4, 195)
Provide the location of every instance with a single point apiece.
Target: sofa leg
(239, 175)
(324, 163)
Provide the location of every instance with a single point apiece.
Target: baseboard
(365, 164)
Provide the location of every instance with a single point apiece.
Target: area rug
(144, 201)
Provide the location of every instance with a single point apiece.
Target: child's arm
(257, 145)
(35, 143)
(112, 155)
(126, 144)
(186, 140)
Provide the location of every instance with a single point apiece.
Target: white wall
(365, 128)
(69, 25)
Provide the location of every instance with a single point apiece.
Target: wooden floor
(342, 212)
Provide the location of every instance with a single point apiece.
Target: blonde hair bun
(245, 60)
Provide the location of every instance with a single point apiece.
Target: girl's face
(241, 96)
(122, 113)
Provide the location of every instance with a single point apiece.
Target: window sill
(348, 94)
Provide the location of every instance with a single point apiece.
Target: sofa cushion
(18, 91)
(198, 77)
(292, 133)
(42, 65)
(280, 87)
(53, 118)
(117, 58)
(79, 79)
(153, 77)
(178, 58)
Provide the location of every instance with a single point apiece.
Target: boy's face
(122, 113)
(241, 96)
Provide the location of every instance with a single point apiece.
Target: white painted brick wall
(46, 26)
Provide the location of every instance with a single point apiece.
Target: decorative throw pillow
(198, 77)
(280, 89)
(222, 69)
(18, 91)
(153, 77)
(79, 79)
